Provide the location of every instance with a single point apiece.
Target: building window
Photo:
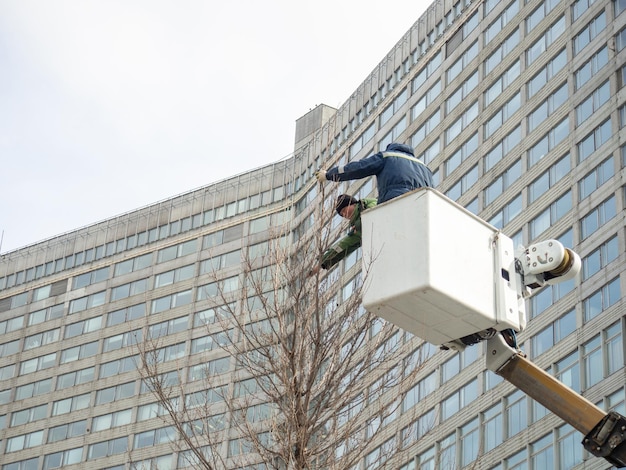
(469, 442)
(426, 100)
(84, 303)
(553, 333)
(462, 62)
(426, 72)
(569, 450)
(464, 151)
(600, 258)
(426, 128)
(79, 352)
(553, 213)
(516, 413)
(596, 178)
(554, 137)
(501, 52)
(505, 215)
(591, 67)
(597, 217)
(134, 264)
(67, 405)
(177, 275)
(601, 300)
(462, 122)
(502, 115)
(107, 448)
(78, 377)
(548, 179)
(589, 32)
(547, 108)
(539, 14)
(544, 42)
(177, 251)
(592, 103)
(459, 399)
(60, 459)
(502, 148)
(394, 134)
(463, 184)
(171, 301)
(126, 314)
(502, 83)
(542, 453)
(89, 278)
(67, 431)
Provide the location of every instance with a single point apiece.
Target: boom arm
(605, 433)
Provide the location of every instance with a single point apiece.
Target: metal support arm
(605, 434)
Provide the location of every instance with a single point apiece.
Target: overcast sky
(110, 105)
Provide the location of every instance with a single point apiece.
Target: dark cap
(344, 201)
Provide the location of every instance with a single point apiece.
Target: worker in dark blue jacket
(397, 172)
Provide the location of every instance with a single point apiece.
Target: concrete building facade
(519, 109)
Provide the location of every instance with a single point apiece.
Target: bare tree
(321, 377)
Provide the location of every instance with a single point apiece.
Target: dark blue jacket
(397, 171)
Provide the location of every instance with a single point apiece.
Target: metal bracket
(608, 439)
(499, 352)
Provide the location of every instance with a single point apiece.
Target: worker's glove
(321, 176)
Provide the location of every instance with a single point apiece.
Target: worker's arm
(340, 250)
(356, 170)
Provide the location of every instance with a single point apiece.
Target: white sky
(110, 105)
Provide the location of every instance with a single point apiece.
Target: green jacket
(350, 242)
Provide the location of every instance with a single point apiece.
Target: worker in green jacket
(349, 208)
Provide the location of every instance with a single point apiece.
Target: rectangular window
(426, 100)
(549, 178)
(516, 413)
(592, 103)
(501, 52)
(501, 21)
(130, 289)
(591, 67)
(464, 151)
(541, 78)
(547, 108)
(589, 32)
(567, 370)
(171, 301)
(89, 278)
(49, 313)
(502, 182)
(177, 251)
(554, 137)
(462, 62)
(600, 258)
(502, 115)
(601, 300)
(597, 217)
(507, 213)
(502, 83)
(463, 184)
(593, 141)
(134, 264)
(539, 14)
(502, 148)
(84, 303)
(462, 122)
(596, 178)
(553, 213)
(544, 42)
(592, 361)
(126, 314)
